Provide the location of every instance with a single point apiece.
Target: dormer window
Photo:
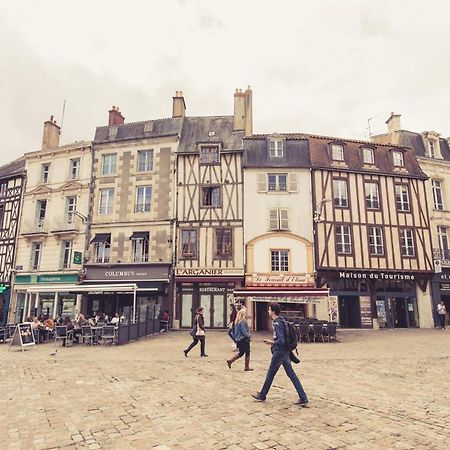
(337, 152)
(209, 154)
(432, 149)
(368, 157)
(398, 159)
(276, 148)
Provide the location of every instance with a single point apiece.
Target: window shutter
(284, 219)
(292, 182)
(273, 219)
(262, 182)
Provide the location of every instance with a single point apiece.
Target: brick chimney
(179, 106)
(50, 138)
(243, 115)
(393, 123)
(115, 117)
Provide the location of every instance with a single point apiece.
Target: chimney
(115, 117)
(248, 112)
(51, 134)
(179, 106)
(239, 110)
(393, 123)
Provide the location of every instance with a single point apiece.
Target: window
(36, 248)
(402, 197)
(3, 187)
(407, 242)
(343, 240)
(398, 159)
(106, 201)
(109, 164)
(277, 182)
(224, 243)
(145, 161)
(45, 173)
(66, 254)
(368, 155)
(376, 246)
(41, 209)
(74, 168)
(209, 155)
(278, 219)
(443, 241)
(337, 152)
(432, 150)
(340, 196)
(279, 260)
(189, 243)
(102, 251)
(2, 214)
(372, 195)
(71, 207)
(437, 194)
(276, 148)
(143, 199)
(211, 197)
(140, 248)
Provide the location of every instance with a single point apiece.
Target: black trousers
(194, 343)
(244, 347)
(442, 320)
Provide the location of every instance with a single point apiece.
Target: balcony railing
(140, 258)
(37, 227)
(441, 254)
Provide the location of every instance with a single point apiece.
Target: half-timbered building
(210, 255)
(372, 232)
(12, 182)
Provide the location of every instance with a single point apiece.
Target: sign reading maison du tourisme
(376, 275)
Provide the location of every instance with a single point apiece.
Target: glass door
(186, 310)
(218, 311)
(205, 302)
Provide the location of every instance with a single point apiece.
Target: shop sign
(119, 272)
(46, 278)
(298, 279)
(212, 289)
(366, 312)
(208, 271)
(445, 286)
(3, 288)
(77, 257)
(376, 276)
(288, 299)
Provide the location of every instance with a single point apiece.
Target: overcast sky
(317, 66)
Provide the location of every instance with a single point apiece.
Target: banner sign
(366, 312)
(280, 279)
(285, 299)
(23, 335)
(208, 271)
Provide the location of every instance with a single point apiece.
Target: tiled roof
(140, 130)
(415, 141)
(15, 167)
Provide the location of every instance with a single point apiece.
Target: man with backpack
(281, 349)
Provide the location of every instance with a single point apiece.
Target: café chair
(63, 335)
(87, 334)
(108, 335)
(318, 331)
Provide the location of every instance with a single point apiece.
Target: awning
(102, 237)
(76, 288)
(140, 235)
(267, 292)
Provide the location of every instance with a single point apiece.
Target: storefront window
(67, 305)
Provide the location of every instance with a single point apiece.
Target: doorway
(349, 311)
(262, 316)
(214, 310)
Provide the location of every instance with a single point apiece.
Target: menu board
(366, 312)
(23, 335)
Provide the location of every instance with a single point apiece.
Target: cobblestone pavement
(373, 390)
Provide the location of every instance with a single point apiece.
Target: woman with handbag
(242, 336)
(198, 333)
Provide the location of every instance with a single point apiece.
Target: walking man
(280, 356)
(441, 312)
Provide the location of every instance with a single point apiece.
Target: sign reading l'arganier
(376, 275)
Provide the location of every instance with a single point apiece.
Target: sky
(317, 66)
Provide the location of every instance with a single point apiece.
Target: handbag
(199, 332)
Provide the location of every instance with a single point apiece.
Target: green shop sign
(77, 257)
(46, 278)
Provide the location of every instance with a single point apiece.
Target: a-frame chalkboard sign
(23, 336)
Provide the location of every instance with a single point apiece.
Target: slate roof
(295, 152)
(199, 130)
(137, 130)
(16, 167)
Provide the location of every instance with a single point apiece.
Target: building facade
(210, 240)
(278, 229)
(372, 232)
(132, 218)
(12, 183)
(433, 155)
(52, 234)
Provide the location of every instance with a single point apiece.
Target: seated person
(165, 319)
(115, 320)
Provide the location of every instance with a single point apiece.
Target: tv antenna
(62, 116)
(368, 126)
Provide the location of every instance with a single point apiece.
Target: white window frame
(36, 248)
(277, 186)
(278, 219)
(109, 162)
(279, 260)
(372, 196)
(367, 151)
(102, 252)
(45, 173)
(407, 242)
(74, 168)
(140, 248)
(438, 201)
(376, 243)
(276, 148)
(71, 207)
(40, 218)
(337, 152)
(402, 198)
(66, 254)
(106, 201)
(442, 232)
(343, 240)
(340, 193)
(145, 160)
(398, 158)
(143, 201)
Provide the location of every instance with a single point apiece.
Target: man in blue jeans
(280, 357)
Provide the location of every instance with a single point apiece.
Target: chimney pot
(115, 116)
(178, 105)
(50, 137)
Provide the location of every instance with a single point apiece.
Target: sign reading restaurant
(376, 275)
(208, 271)
(281, 279)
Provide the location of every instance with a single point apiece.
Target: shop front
(376, 298)
(46, 295)
(126, 289)
(211, 289)
(441, 292)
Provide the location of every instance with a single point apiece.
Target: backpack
(290, 336)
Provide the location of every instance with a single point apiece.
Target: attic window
(368, 155)
(337, 152)
(398, 159)
(209, 154)
(276, 148)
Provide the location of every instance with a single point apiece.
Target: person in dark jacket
(280, 357)
(198, 333)
(242, 336)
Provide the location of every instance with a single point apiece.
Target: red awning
(281, 292)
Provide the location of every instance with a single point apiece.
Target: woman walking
(198, 333)
(242, 336)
